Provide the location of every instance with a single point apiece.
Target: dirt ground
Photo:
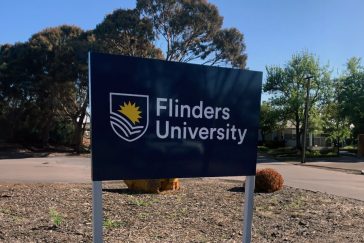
(201, 211)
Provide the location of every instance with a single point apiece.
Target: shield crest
(129, 115)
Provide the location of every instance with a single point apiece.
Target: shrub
(268, 180)
(263, 149)
(275, 144)
(153, 186)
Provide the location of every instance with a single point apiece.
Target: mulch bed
(201, 211)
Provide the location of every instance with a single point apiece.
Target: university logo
(129, 115)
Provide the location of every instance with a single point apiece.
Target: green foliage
(283, 151)
(44, 81)
(336, 126)
(111, 224)
(263, 149)
(125, 32)
(288, 86)
(270, 119)
(56, 217)
(142, 203)
(315, 120)
(139, 202)
(62, 132)
(287, 153)
(338, 112)
(192, 30)
(351, 94)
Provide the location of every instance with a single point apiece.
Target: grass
(263, 149)
(56, 217)
(288, 153)
(349, 147)
(297, 203)
(111, 224)
(141, 202)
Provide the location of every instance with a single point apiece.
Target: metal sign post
(97, 211)
(248, 208)
(97, 221)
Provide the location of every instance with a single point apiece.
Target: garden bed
(201, 211)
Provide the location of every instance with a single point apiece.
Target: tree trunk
(298, 134)
(79, 128)
(46, 128)
(77, 137)
(263, 137)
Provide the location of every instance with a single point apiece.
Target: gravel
(207, 210)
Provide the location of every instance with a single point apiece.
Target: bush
(61, 133)
(153, 185)
(263, 149)
(268, 180)
(275, 144)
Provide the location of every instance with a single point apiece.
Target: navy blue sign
(157, 119)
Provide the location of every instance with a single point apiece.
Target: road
(71, 169)
(322, 180)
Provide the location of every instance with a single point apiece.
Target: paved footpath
(322, 180)
(72, 169)
(54, 169)
(316, 178)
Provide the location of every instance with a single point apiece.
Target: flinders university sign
(157, 119)
(130, 123)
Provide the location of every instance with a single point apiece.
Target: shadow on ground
(123, 191)
(21, 155)
(237, 189)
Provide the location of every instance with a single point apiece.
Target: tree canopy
(192, 30)
(48, 79)
(351, 94)
(43, 81)
(125, 32)
(288, 86)
(269, 119)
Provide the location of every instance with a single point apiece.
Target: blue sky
(273, 29)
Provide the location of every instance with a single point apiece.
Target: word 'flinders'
(172, 109)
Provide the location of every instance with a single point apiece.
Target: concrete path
(314, 178)
(48, 170)
(71, 169)
(356, 166)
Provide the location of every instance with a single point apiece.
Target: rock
(303, 223)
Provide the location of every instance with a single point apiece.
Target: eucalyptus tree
(192, 30)
(125, 32)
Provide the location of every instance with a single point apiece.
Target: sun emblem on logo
(129, 115)
(131, 111)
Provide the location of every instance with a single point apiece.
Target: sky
(274, 30)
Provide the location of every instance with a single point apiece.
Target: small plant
(268, 180)
(139, 202)
(314, 153)
(263, 149)
(55, 217)
(109, 224)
